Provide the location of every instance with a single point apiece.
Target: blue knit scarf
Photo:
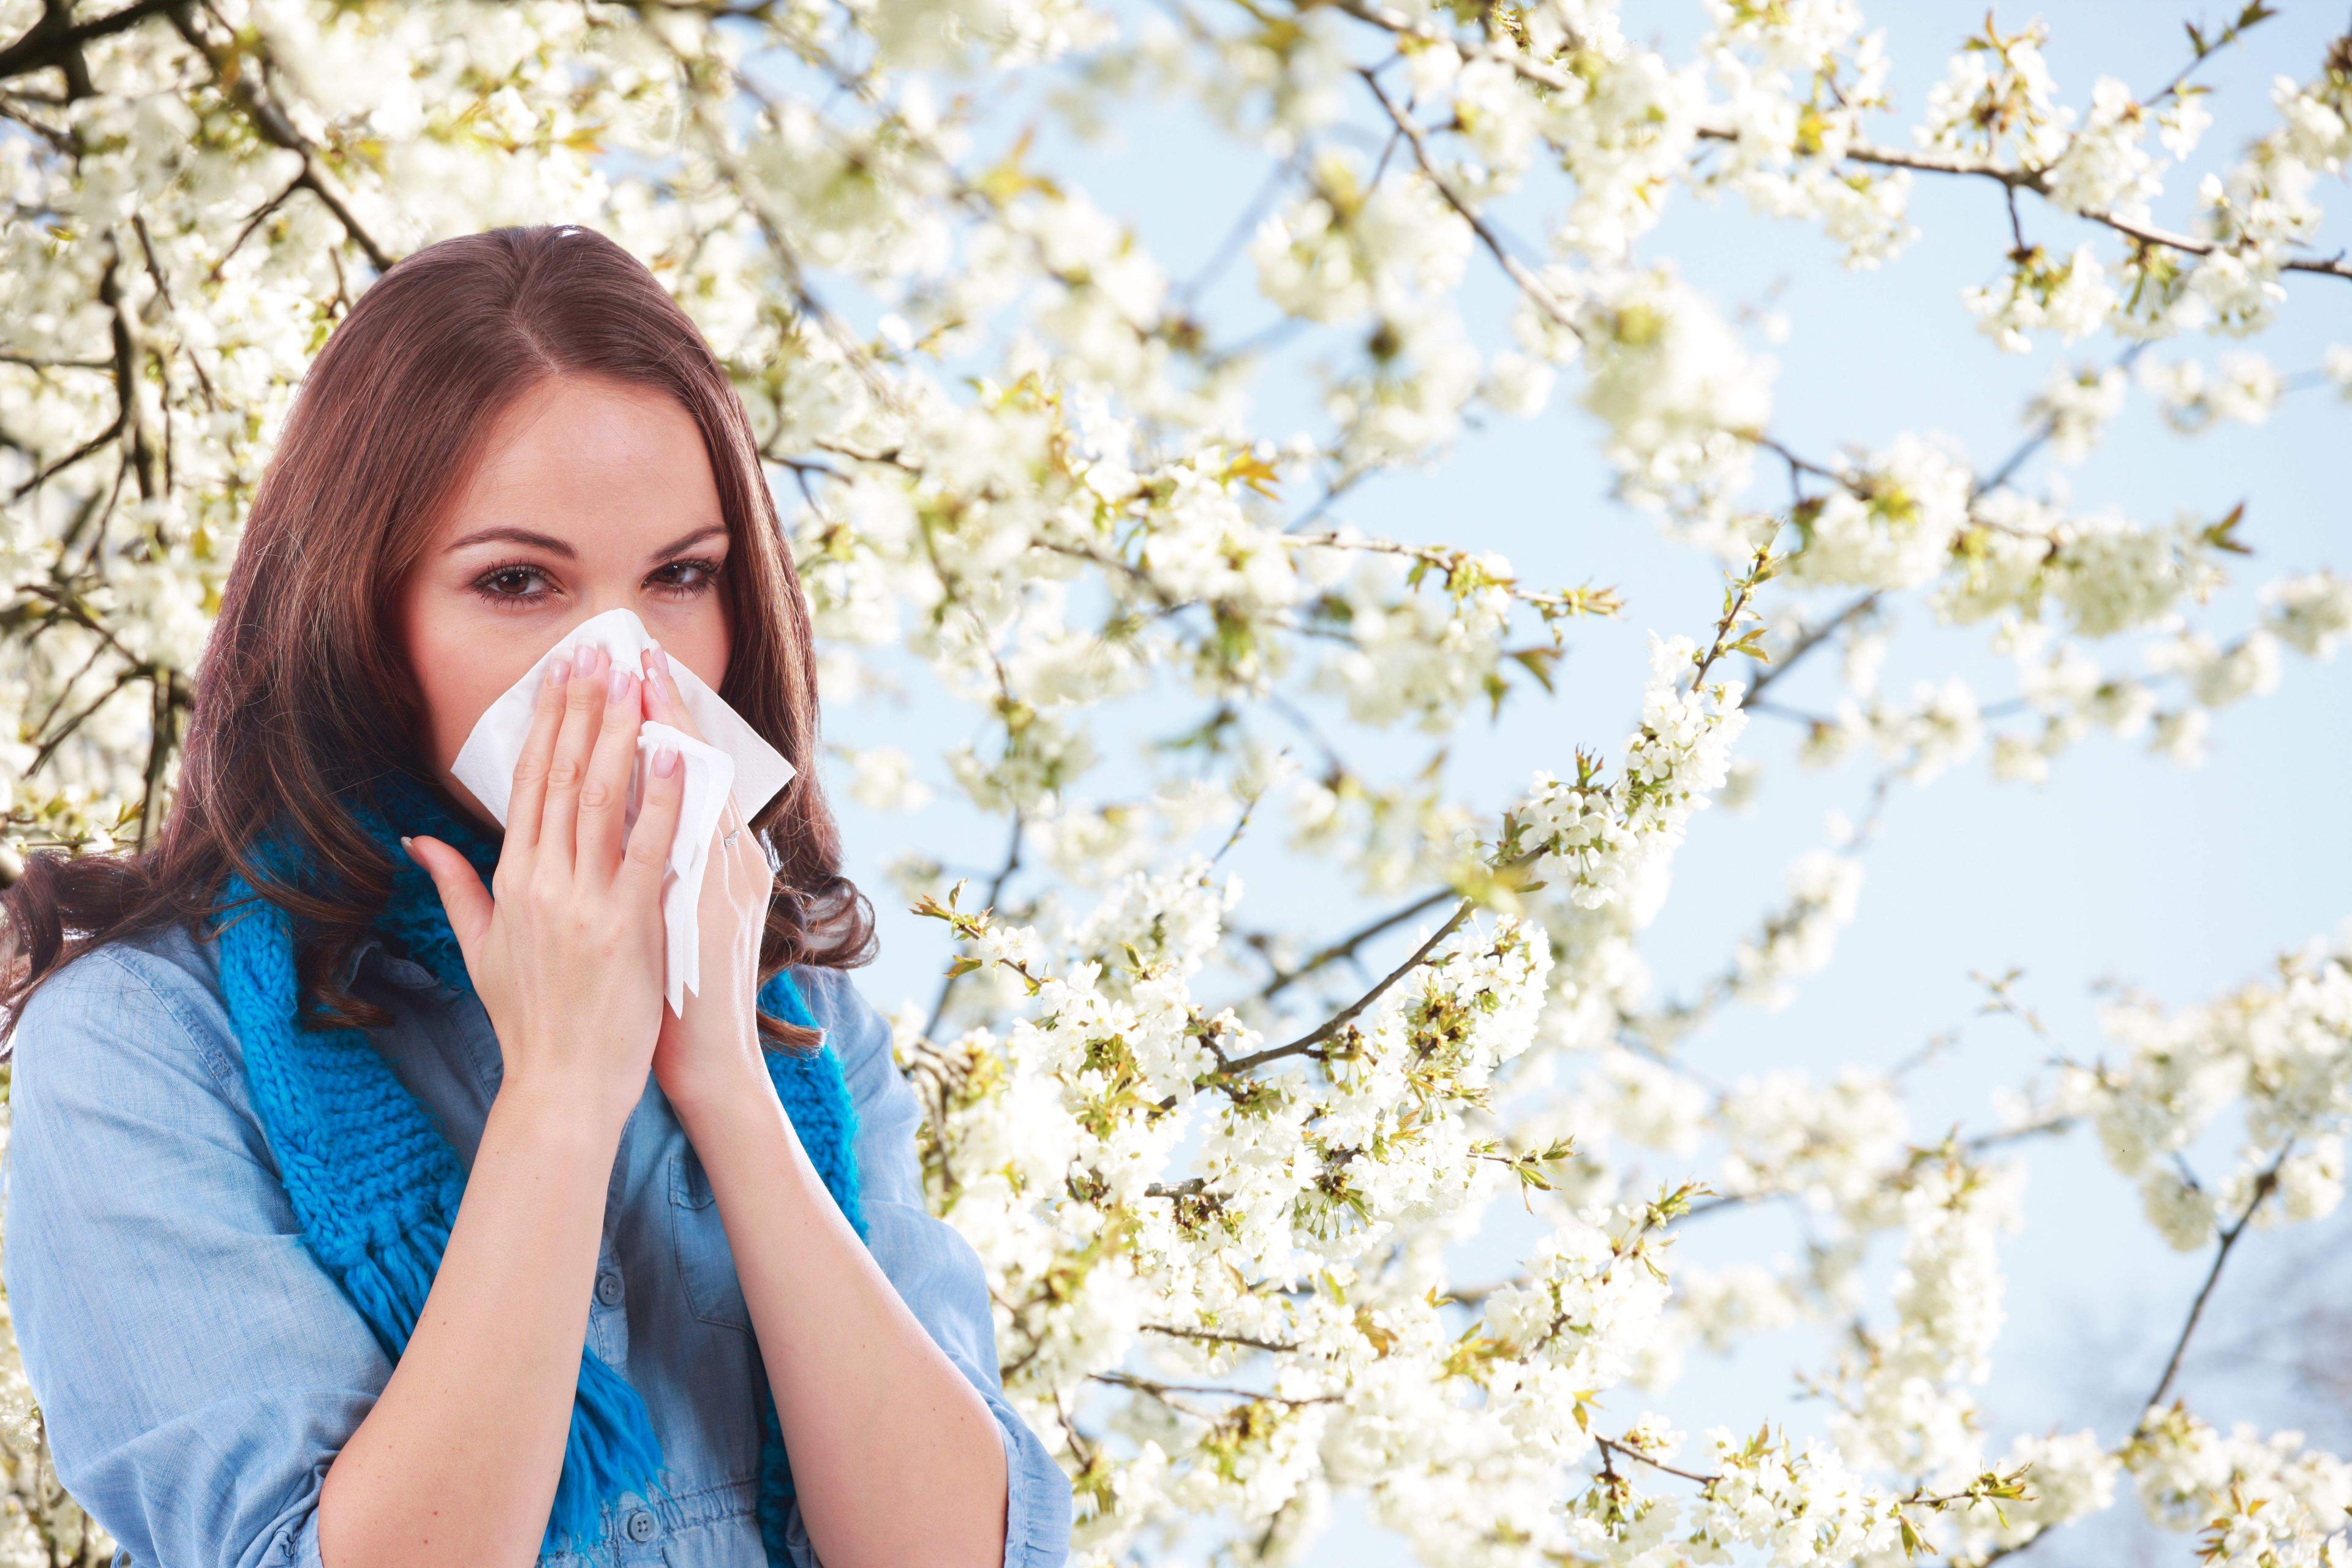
(376, 1185)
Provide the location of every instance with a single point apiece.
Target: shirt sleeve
(196, 1368)
(936, 1270)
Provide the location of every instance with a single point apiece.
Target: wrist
(749, 1132)
(708, 1067)
(738, 1094)
(562, 1114)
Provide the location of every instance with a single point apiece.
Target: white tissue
(733, 758)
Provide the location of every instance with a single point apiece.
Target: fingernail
(559, 668)
(618, 686)
(665, 760)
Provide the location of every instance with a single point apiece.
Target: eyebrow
(555, 546)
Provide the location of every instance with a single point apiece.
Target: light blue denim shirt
(199, 1371)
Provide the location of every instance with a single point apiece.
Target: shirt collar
(390, 967)
(349, 972)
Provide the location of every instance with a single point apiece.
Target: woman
(365, 1203)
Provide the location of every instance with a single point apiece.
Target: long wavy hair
(304, 689)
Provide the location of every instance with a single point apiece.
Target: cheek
(460, 668)
(455, 694)
(698, 641)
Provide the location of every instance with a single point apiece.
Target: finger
(730, 855)
(530, 794)
(463, 898)
(754, 854)
(605, 794)
(760, 878)
(567, 770)
(663, 700)
(648, 856)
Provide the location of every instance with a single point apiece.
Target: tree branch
(56, 40)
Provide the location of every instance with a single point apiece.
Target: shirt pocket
(706, 1264)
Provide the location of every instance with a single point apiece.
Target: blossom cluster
(2276, 1053)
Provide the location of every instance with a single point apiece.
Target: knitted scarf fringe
(386, 1255)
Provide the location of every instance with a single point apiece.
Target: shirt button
(608, 1290)
(640, 1525)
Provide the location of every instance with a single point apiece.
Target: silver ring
(730, 838)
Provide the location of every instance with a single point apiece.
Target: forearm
(459, 1457)
(896, 1457)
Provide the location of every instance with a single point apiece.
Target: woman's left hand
(710, 1055)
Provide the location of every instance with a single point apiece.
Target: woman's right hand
(565, 948)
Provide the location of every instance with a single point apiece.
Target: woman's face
(592, 494)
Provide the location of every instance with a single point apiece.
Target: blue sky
(2183, 883)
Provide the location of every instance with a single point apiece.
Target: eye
(488, 586)
(700, 573)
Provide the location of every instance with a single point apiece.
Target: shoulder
(126, 1115)
(889, 1114)
(852, 1025)
(149, 999)
(858, 1032)
(834, 998)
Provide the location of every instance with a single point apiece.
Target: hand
(710, 1055)
(566, 946)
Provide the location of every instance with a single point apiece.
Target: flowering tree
(1009, 443)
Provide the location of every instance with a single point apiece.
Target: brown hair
(304, 688)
